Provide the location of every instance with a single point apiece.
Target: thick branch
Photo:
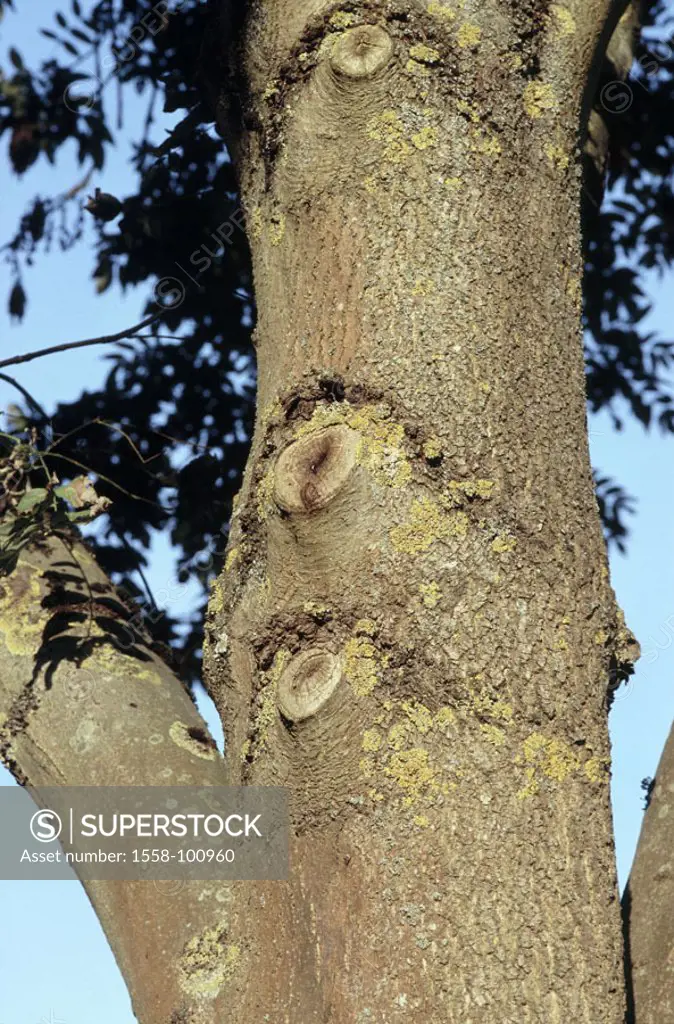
(648, 903)
(85, 701)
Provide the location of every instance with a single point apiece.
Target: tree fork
(415, 627)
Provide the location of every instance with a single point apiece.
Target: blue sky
(55, 964)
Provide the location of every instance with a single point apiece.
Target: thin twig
(104, 340)
(35, 405)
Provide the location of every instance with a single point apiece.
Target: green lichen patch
(441, 10)
(424, 54)
(208, 960)
(399, 139)
(564, 20)
(363, 665)
(468, 35)
(503, 543)
(427, 524)
(430, 594)
(545, 757)
(538, 97)
(342, 19)
(264, 495)
(481, 702)
(432, 448)
(185, 737)
(412, 772)
(372, 740)
(388, 129)
(460, 490)
(425, 138)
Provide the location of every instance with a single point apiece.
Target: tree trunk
(415, 628)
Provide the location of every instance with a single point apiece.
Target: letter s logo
(45, 826)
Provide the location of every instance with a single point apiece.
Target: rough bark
(415, 627)
(647, 906)
(85, 702)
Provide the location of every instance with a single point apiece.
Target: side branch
(85, 701)
(647, 906)
(105, 339)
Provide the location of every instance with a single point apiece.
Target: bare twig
(35, 406)
(104, 340)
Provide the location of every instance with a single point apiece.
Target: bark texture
(415, 628)
(85, 702)
(647, 906)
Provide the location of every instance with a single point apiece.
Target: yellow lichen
(439, 10)
(444, 717)
(538, 97)
(493, 734)
(182, 737)
(380, 446)
(432, 447)
(397, 735)
(216, 602)
(485, 142)
(485, 704)
(233, 555)
(372, 740)
(365, 627)
(277, 229)
(556, 155)
(551, 758)
(256, 223)
(421, 820)
(428, 523)
(362, 665)
(469, 109)
(453, 183)
(600, 637)
(207, 961)
(430, 594)
(316, 609)
(413, 67)
(458, 490)
(245, 750)
(370, 183)
(566, 22)
(597, 769)
(265, 494)
(412, 772)
(468, 35)
(388, 129)
(425, 54)
(418, 714)
(503, 543)
(342, 19)
(425, 138)
(423, 286)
